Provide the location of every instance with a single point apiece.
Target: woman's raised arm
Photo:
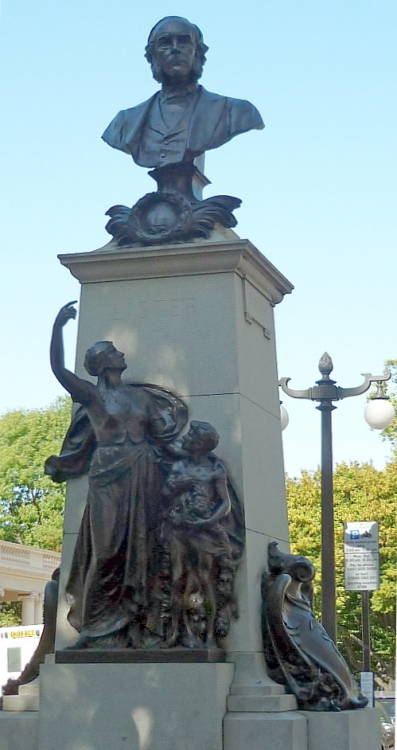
(79, 389)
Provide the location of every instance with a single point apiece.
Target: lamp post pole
(325, 391)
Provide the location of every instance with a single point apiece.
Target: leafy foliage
(10, 614)
(361, 493)
(31, 505)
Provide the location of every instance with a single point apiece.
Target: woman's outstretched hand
(67, 312)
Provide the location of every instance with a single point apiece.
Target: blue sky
(318, 184)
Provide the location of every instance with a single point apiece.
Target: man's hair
(95, 357)
(207, 434)
(201, 49)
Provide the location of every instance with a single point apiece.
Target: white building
(24, 572)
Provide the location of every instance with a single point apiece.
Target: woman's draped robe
(109, 582)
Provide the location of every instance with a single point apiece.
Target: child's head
(202, 438)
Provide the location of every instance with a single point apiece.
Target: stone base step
(24, 702)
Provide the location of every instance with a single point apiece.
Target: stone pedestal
(19, 731)
(346, 730)
(197, 319)
(267, 731)
(133, 706)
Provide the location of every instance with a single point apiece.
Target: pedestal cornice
(238, 256)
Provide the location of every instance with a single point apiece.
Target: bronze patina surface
(168, 133)
(162, 530)
(298, 651)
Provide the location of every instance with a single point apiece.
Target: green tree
(361, 493)
(10, 614)
(31, 505)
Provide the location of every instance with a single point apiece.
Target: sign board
(367, 687)
(361, 556)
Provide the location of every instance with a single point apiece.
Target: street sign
(367, 687)
(361, 556)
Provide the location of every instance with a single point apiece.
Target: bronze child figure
(198, 545)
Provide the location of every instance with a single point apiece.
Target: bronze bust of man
(182, 120)
(167, 133)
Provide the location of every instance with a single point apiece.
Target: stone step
(31, 688)
(262, 703)
(24, 702)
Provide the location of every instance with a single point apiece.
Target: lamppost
(325, 391)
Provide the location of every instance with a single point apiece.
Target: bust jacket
(214, 120)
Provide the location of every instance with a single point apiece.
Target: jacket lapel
(134, 122)
(208, 121)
